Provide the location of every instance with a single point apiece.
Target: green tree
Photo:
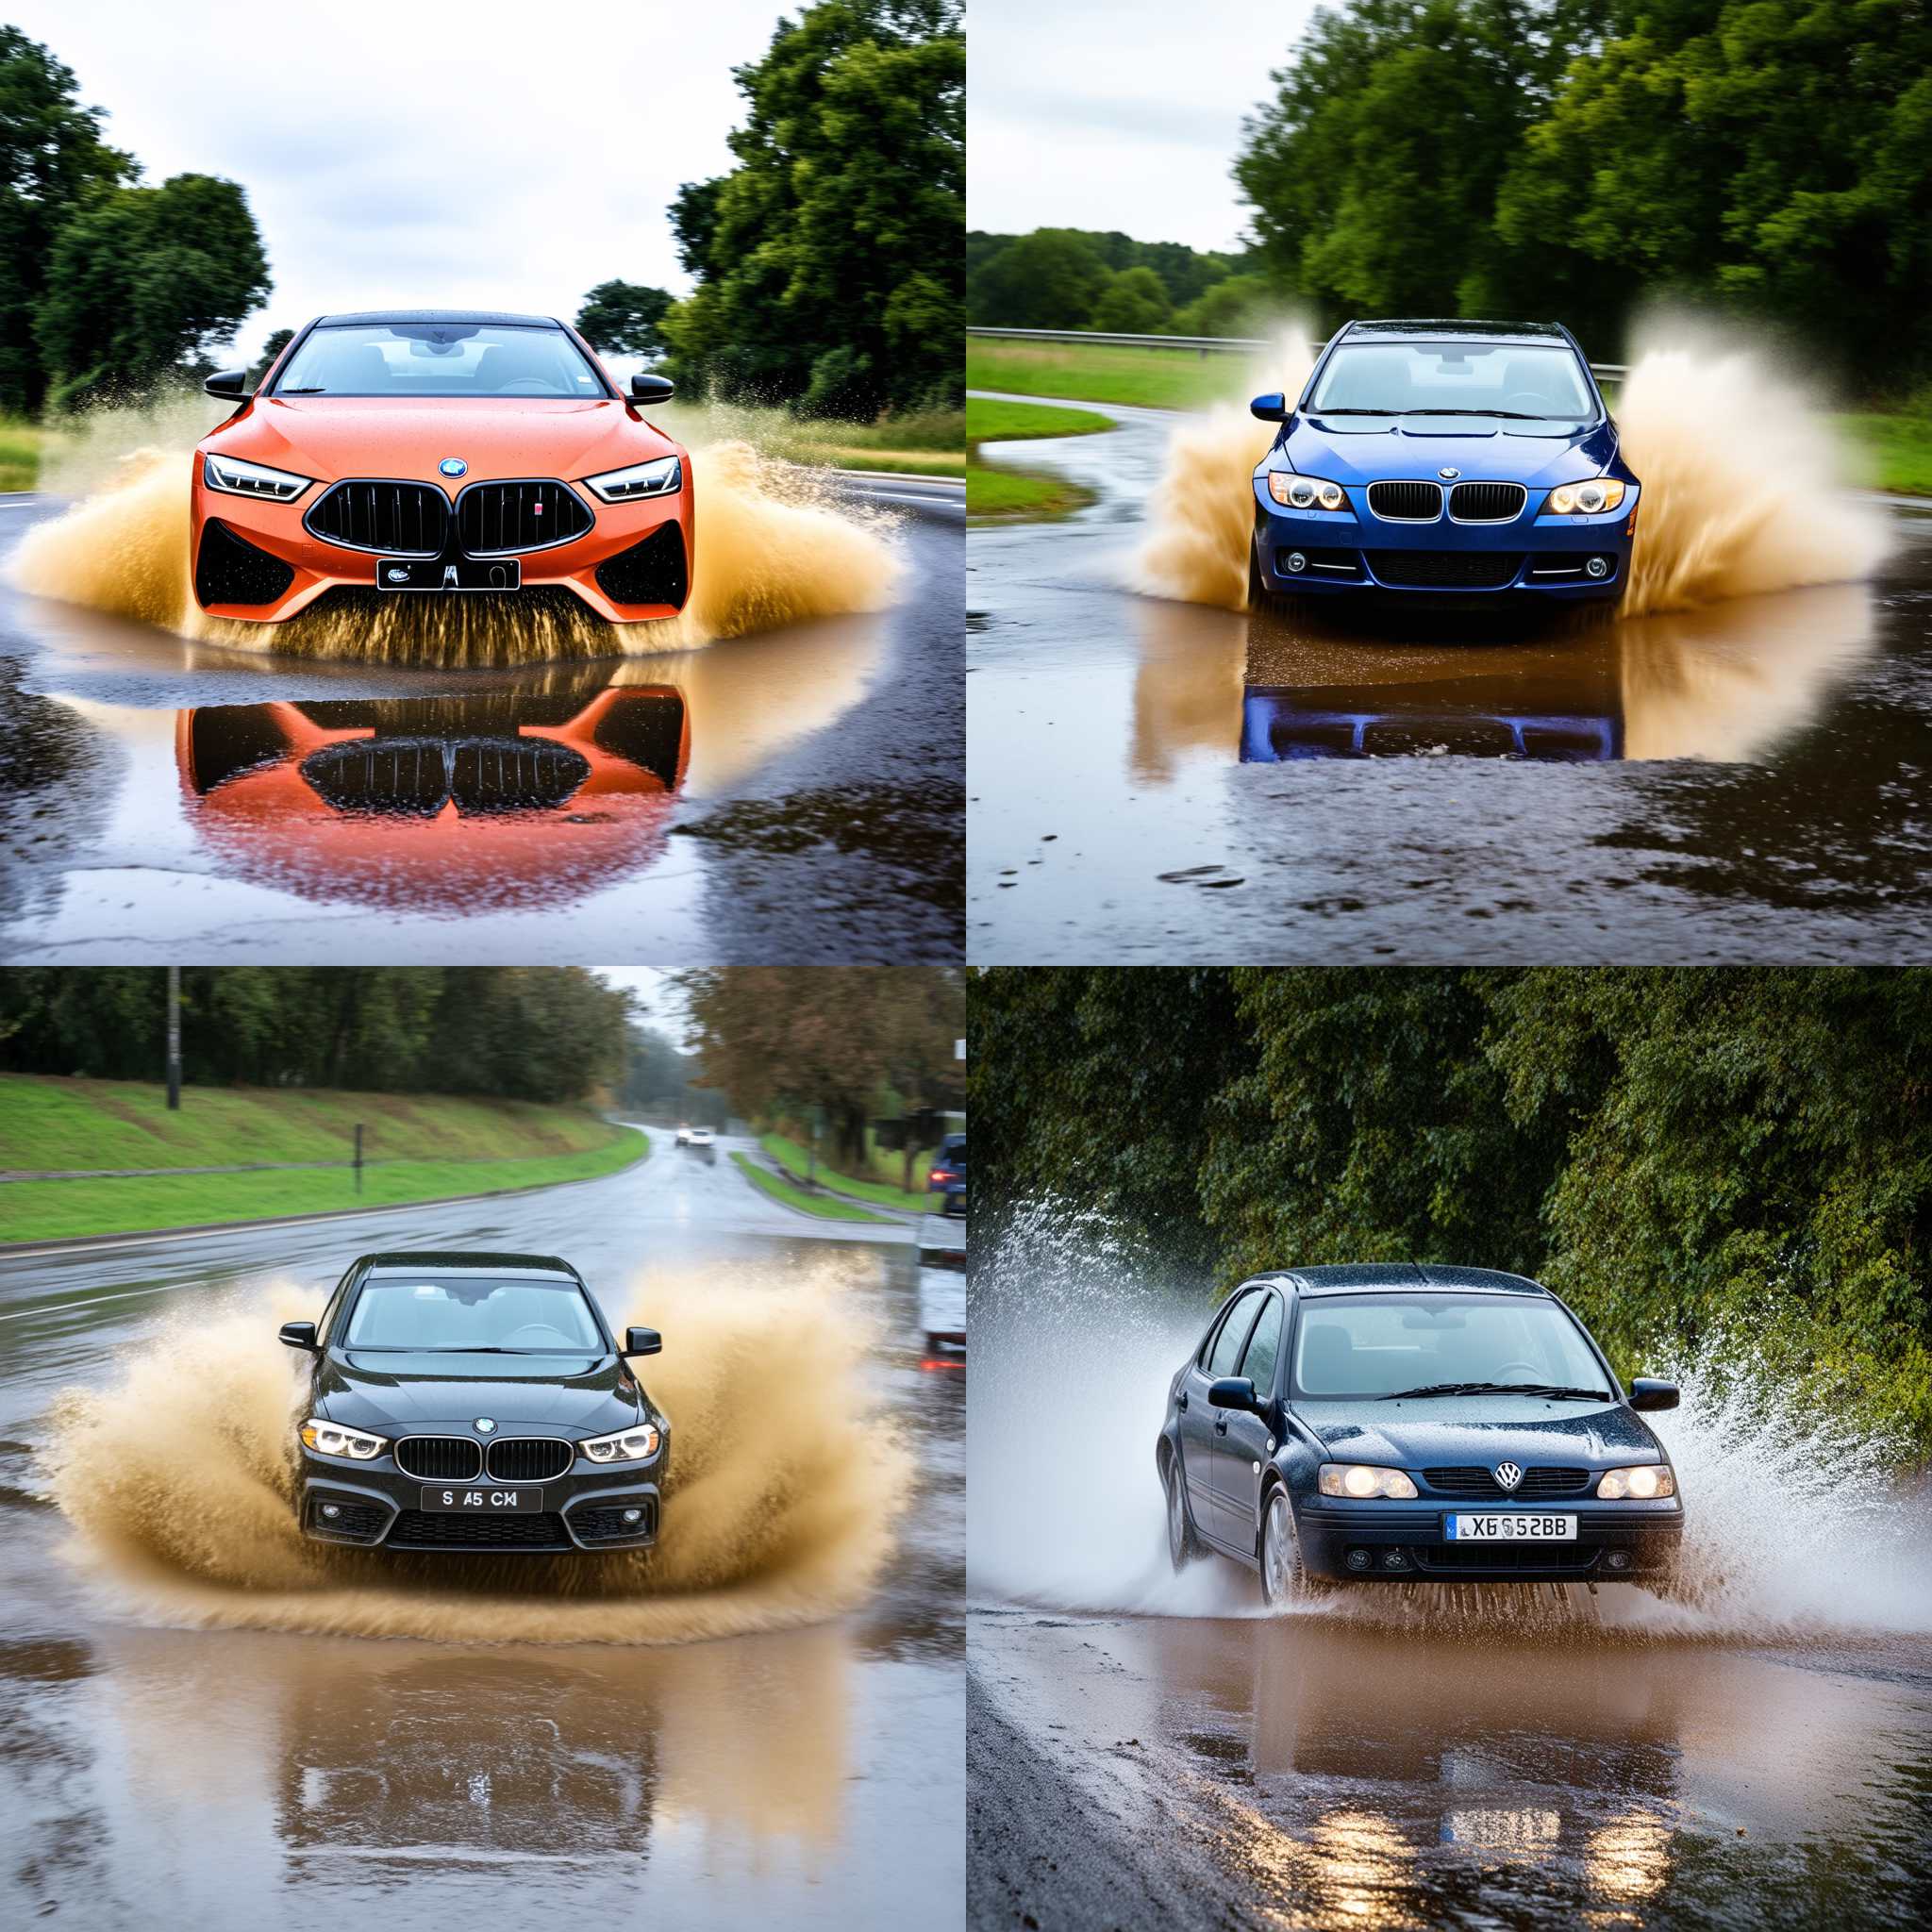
(829, 260)
(143, 280)
(1048, 279)
(52, 159)
(1134, 303)
(1242, 305)
(622, 317)
(278, 340)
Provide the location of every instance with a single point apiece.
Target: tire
(1282, 1581)
(1183, 1546)
(1261, 601)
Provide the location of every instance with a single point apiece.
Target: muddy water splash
(1797, 1521)
(773, 547)
(780, 1507)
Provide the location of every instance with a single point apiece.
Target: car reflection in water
(508, 798)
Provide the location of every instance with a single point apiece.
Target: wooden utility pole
(173, 1039)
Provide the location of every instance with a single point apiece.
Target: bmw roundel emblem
(484, 1424)
(452, 466)
(1508, 1475)
(1447, 475)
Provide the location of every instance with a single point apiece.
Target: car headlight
(661, 477)
(1305, 492)
(332, 1438)
(1645, 1480)
(1593, 494)
(637, 1444)
(252, 479)
(1362, 1479)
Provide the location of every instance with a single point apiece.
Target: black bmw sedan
(1395, 1422)
(475, 1402)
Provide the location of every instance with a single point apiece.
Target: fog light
(331, 1509)
(1395, 1559)
(1296, 561)
(1598, 567)
(1358, 1559)
(633, 1515)
(1617, 1559)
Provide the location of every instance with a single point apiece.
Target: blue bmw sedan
(1395, 1423)
(1456, 460)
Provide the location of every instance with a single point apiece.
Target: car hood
(577, 1392)
(1453, 1430)
(1365, 449)
(330, 436)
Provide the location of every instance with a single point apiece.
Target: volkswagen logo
(1507, 1475)
(484, 1425)
(452, 466)
(1447, 475)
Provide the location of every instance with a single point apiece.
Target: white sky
(664, 1008)
(476, 154)
(1117, 113)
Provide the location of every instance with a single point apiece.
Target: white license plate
(454, 1501)
(1537, 1528)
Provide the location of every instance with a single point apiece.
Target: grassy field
(991, 491)
(20, 455)
(478, 1147)
(797, 1159)
(989, 421)
(823, 1205)
(1890, 451)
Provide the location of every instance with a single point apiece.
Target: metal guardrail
(1205, 345)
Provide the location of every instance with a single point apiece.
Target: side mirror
(1645, 1393)
(1272, 408)
(641, 1342)
(299, 1335)
(1233, 1392)
(646, 389)
(231, 385)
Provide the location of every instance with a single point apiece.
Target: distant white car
(684, 1137)
(942, 1297)
(697, 1137)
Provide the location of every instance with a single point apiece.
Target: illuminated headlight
(1362, 1479)
(1647, 1479)
(332, 1438)
(660, 478)
(628, 1446)
(252, 479)
(1588, 498)
(1305, 492)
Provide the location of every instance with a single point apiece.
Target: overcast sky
(1117, 113)
(481, 155)
(664, 1007)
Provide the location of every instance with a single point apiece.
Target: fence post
(173, 1039)
(358, 1157)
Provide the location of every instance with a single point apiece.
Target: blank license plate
(483, 1502)
(1537, 1528)
(434, 573)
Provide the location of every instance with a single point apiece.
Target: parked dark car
(948, 1176)
(464, 1401)
(1395, 1422)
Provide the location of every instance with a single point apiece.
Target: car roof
(480, 316)
(1357, 1277)
(463, 1261)
(1419, 328)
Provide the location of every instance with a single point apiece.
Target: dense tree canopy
(622, 317)
(1716, 1164)
(1087, 279)
(828, 260)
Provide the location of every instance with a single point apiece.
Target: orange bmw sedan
(440, 451)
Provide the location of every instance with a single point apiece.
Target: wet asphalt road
(810, 1778)
(789, 796)
(1155, 781)
(1305, 1774)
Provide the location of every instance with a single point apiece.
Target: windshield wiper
(317, 390)
(1548, 1390)
(1514, 415)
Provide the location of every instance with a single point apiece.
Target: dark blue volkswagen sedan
(1396, 1423)
(1455, 459)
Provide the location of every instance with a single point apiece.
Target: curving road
(809, 1778)
(1156, 781)
(790, 795)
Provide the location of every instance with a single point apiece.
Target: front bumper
(377, 1506)
(1544, 558)
(1616, 1542)
(300, 567)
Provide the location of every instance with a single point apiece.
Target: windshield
(437, 358)
(1499, 379)
(434, 1313)
(1354, 1345)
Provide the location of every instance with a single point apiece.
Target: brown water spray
(784, 1487)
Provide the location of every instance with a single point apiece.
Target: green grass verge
(1007, 493)
(823, 1205)
(797, 1159)
(1153, 379)
(990, 420)
(1896, 451)
(20, 455)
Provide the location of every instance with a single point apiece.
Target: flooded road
(1150, 780)
(161, 796)
(811, 1774)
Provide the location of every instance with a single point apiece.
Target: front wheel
(1261, 599)
(1181, 1546)
(1282, 1581)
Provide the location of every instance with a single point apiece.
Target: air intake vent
(528, 1460)
(229, 570)
(440, 1458)
(392, 519)
(652, 572)
(1407, 503)
(1487, 503)
(501, 519)
(415, 777)
(417, 1529)
(1477, 1481)
(1445, 570)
